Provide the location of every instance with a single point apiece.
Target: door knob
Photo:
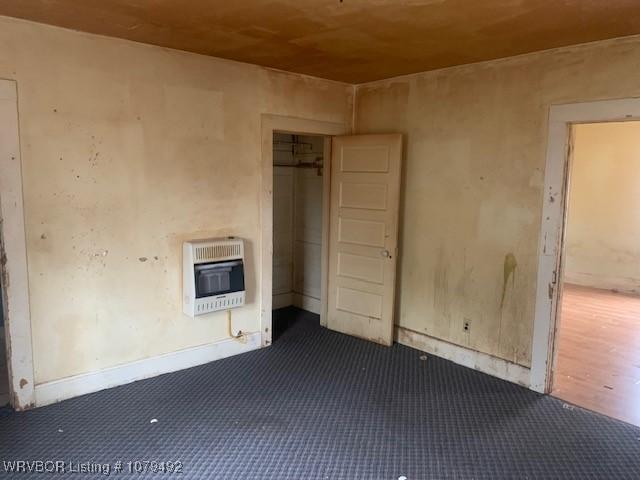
(385, 253)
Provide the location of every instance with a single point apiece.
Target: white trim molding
(619, 284)
(57, 390)
(305, 302)
(282, 300)
(277, 123)
(299, 300)
(561, 118)
(466, 357)
(15, 278)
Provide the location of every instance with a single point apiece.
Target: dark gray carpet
(320, 405)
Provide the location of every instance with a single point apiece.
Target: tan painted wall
(127, 151)
(602, 247)
(475, 153)
(130, 149)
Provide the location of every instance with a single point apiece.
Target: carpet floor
(321, 405)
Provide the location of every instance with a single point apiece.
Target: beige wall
(602, 246)
(127, 151)
(475, 154)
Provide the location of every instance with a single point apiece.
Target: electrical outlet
(466, 326)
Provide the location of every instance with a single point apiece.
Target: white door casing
(548, 293)
(300, 126)
(15, 277)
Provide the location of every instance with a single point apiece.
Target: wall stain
(510, 265)
(441, 286)
(23, 382)
(3, 272)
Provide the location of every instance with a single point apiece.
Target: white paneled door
(365, 191)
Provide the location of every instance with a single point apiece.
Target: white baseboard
(281, 300)
(466, 357)
(299, 300)
(307, 303)
(618, 284)
(51, 392)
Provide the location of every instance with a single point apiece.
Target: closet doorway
(298, 235)
(355, 214)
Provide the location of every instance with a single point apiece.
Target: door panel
(365, 189)
(363, 195)
(361, 232)
(360, 267)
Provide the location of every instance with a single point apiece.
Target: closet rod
(298, 165)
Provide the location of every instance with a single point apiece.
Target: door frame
(554, 210)
(300, 126)
(15, 280)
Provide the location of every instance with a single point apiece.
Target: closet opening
(299, 245)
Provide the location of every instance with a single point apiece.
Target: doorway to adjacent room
(598, 338)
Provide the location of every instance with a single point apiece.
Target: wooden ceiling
(353, 41)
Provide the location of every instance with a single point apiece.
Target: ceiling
(353, 41)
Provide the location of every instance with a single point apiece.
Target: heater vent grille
(217, 252)
(212, 275)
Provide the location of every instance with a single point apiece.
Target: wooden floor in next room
(598, 364)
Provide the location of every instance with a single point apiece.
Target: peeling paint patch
(23, 382)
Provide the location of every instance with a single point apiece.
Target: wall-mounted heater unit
(213, 275)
